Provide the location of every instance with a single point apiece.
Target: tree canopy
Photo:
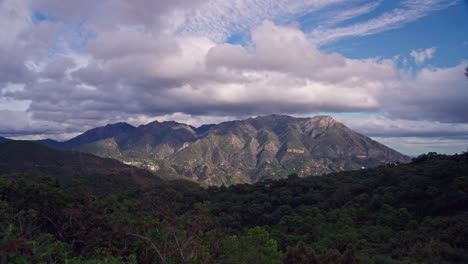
(413, 213)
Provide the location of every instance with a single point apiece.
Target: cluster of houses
(296, 151)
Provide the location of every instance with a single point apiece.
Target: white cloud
(166, 60)
(347, 14)
(202, 76)
(193, 120)
(383, 126)
(15, 14)
(421, 55)
(437, 94)
(130, 75)
(281, 72)
(20, 123)
(11, 104)
(218, 19)
(412, 137)
(409, 11)
(415, 146)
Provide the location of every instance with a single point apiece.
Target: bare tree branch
(163, 259)
(178, 247)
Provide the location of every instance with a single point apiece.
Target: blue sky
(392, 70)
(443, 29)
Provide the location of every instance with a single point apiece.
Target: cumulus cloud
(126, 75)
(437, 94)
(421, 55)
(281, 72)
(14, 42)
(141, 60)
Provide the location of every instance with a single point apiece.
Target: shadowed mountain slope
(71, 167)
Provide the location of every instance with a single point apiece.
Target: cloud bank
(89, 63)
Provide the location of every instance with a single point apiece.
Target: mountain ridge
(238, 151)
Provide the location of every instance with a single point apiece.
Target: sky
(392, 70)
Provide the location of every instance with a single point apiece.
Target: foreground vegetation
(414, 213)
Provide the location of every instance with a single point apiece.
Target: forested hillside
(412, 213)
(94, 174)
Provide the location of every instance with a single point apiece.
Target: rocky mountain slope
(241, 151)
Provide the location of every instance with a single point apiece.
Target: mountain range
(240, 151)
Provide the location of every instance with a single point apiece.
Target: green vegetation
(412, 213)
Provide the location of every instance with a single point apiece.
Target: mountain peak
(95, 134)
(272, 116)
(171, 125)
(323, 120)
(119, 124)
(323, 117)
(204, 128)
(164, 123)
(151, 123)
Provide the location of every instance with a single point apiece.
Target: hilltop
(71, 167)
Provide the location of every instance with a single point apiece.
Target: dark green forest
(408, 213)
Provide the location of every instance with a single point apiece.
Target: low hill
(95, 173)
